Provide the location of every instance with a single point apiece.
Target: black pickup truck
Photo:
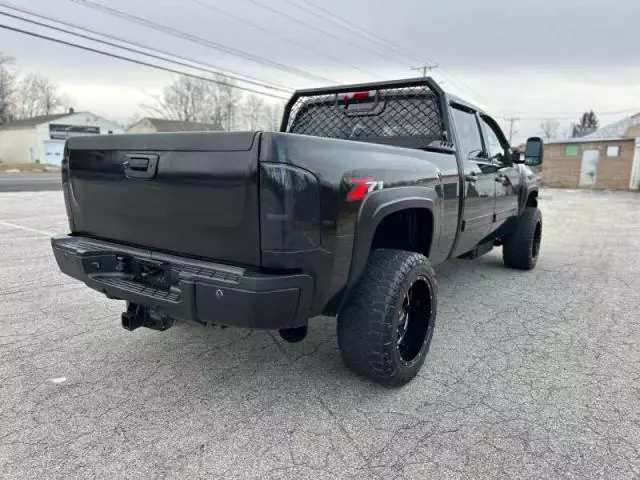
(344, 212)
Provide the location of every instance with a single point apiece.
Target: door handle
(471, 177)
(140, 165)
(137, 163)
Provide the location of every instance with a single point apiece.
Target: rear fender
(379, 205)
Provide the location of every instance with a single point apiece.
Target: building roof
(166, 125)
(617, 129)
(33, 121)
(587, 139)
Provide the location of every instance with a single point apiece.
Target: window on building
(571, 150)
(613, 150)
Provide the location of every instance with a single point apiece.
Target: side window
(468, 133)
(495, 147)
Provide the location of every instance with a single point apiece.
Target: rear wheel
(522, 247)
(385, 331)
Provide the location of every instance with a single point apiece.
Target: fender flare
(525, 193)
(375, 208)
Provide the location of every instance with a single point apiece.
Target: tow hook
(138, 316)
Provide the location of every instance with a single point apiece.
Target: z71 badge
(360, 187)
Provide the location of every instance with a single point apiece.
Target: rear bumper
(204, 292)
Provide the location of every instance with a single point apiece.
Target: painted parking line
(26, 229)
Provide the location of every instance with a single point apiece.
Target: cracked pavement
(530, 374)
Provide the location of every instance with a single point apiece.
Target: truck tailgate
(193, 194)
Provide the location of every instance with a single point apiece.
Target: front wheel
(522, 247)
(385, 330)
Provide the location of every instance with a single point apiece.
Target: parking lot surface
(530, 374)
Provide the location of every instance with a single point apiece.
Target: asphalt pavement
(531, 375)
(29, 182)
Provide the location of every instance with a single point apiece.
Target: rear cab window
(374, 116)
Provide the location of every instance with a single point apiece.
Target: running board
(480, 250)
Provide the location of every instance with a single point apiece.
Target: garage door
(53, 153)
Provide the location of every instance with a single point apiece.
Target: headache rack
(407, 113)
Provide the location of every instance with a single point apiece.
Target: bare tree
(51, 100)
(214, 101)
(255, 112)
(183, 100)
(7, 88)
(132, 120)
(273, 117)
(28, 103)
(550, 128)
(37, 95)
(229, 99)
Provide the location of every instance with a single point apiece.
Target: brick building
(608, 158)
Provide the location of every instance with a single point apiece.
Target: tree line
(587, 123)
(26, 96)
(216, 102)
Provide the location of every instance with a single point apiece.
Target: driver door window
(470, 141)
(495, 149)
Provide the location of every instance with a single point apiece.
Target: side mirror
(534, 152)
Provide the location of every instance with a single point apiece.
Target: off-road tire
(368, 326)
(521, 248)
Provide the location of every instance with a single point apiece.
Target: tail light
(360, 96)
(66, 186)
(289, 208)
(64, 165)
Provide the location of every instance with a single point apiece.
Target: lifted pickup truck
(344, 212)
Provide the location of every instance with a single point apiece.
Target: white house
(41, 139)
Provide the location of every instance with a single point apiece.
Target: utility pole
(512, 121)
(424, 68)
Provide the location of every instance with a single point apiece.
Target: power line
(350, 27)
(220, 47)
(138, 62)
(228, 73)
(277, 35)
(357, 30)
(318, 29)
(426, 68)
(512, 121)
(562, 116)
(129, 49)
(202, 41)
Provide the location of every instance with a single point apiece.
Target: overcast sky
(516, 58)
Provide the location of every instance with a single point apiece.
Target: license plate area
(152, 273)
(146, 272)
